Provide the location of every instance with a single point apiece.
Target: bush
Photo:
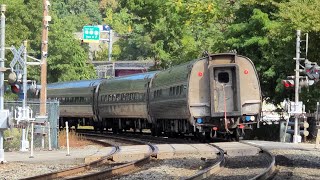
(12, 139)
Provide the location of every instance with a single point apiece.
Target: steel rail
(80, 168)
(271, 170)
(122, 169)
(205, 173)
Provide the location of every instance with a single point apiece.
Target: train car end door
(225, 93)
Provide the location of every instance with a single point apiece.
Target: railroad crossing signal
(17, 56)
(289, 83)
(304, 81)
(91, 34)
(312, 70)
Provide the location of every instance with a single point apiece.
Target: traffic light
(312, 70)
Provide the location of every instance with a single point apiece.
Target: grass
(12, 139)
(75, 140)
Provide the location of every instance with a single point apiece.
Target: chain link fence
(41, 130)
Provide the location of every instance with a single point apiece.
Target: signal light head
(15, 88)
(288, 83)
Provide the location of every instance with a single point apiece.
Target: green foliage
(67, 58)
(176, 31)
(83, 12)
(172, 32)
(265, 31)
(14, 139)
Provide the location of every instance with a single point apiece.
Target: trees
(170, 32)
(67, 58)
(175, 31)
(265, 31)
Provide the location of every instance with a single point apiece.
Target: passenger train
(216, 95)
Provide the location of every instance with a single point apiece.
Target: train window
(223, 77)
(177, 90)
(181, 89)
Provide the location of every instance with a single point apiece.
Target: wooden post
(44, 52)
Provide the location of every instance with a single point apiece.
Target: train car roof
(135, 76)
(74, 84)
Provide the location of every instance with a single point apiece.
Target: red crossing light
(15, 88)
(288, 83)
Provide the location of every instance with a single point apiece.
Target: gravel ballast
(291, 164)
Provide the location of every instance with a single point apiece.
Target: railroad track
(121, 169)
(213, 171)
(218, 166)
(87, 170)
(207, 172)
(101, 169)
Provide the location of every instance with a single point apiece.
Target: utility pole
(2, 51)
(110, 45)
(44, 51)
(296, 136)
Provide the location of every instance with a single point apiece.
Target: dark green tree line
(175, 31)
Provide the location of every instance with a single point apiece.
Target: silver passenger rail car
(122, 103)
(76, 101)
(217, 94)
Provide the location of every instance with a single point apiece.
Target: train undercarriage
(231, 128)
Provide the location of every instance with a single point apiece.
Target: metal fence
(41, 132)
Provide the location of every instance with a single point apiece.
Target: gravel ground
(12, 171)
(297, 164)
(291, 164)
(171, 168)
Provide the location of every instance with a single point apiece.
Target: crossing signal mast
(304, 81)
(312, 74)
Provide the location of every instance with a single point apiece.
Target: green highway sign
(91, 34)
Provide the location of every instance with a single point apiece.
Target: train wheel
(155, 131)
(237, 134)
(114, 130)
(101, 129)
